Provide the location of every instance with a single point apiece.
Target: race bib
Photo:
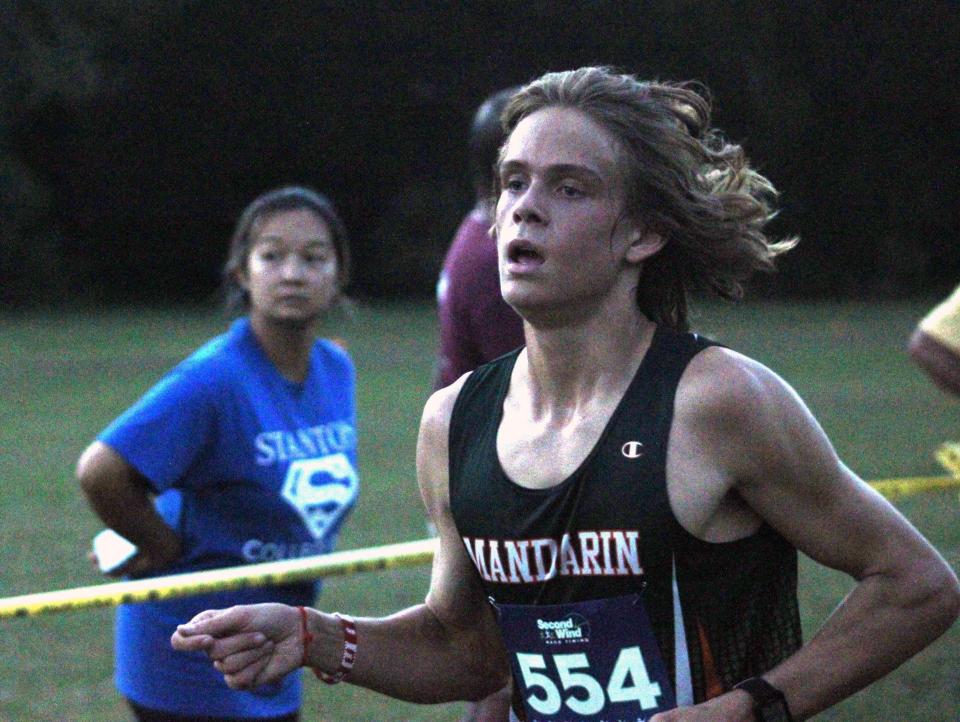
(594, 660)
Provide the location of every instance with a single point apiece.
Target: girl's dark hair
(684, 180)
(288, 198)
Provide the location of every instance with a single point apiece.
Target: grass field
(63, 376)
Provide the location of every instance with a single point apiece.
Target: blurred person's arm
(938, 361)
(935, 344)
(122, 498)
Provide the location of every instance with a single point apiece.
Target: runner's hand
(250, 645)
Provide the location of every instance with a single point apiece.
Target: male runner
(620, 504)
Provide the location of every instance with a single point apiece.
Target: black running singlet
(607, 531)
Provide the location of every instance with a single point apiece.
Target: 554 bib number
(594, 660)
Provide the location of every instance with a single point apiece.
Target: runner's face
(291, 272)
(562, 236)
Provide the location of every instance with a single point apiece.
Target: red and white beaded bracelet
(349, 647)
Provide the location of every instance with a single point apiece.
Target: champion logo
(632, 449)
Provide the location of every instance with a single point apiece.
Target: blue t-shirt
(248, 467)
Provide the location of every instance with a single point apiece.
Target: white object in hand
(112, 550)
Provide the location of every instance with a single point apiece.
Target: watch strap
(769, 702)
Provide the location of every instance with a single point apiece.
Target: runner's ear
(643, 244)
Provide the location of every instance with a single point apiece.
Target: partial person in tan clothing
(935, 344)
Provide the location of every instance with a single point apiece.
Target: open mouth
(523, 253)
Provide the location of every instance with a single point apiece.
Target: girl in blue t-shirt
(244, 452)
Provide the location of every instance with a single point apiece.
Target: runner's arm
(776, 457)
(446, 649)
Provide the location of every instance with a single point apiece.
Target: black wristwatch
(769, 704)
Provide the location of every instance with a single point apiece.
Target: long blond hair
(684, 180)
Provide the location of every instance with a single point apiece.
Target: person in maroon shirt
(476, 324)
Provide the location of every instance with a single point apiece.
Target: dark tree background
(132, 132)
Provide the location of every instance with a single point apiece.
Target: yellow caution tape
(343, 563)
(894, 488)
(216, 580)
